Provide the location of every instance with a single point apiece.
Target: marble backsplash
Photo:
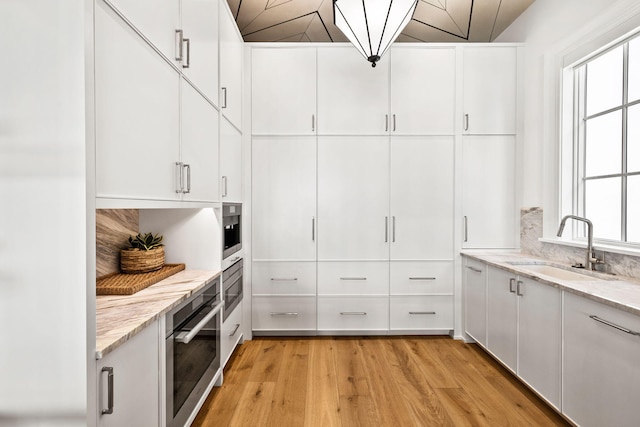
(113, 228)
(531, 231)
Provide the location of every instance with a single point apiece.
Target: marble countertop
(617, 291)
(120, 317)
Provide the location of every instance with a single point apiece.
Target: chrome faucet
(591, 254)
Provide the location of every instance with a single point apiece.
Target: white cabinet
(231, 67)
(353, 278)
(230, 162)
(421, 197)
(284, 198)
(421, 278)
(353, 313)
(502, 316)
(353, 198)
(475, 300)
(422, 93)
(135, 384)
(353, 98)
(283, 91)
(488, 192)
(283, 278)
(421, 313)
(600, 373)
(283, 313)
(489, 90)
(231, 334)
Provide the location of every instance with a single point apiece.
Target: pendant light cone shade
(372, 25)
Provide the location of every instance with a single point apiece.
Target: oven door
(193, 360)
(232, 284)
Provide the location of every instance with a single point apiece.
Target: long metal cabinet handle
(313, 123)
(224, 97)
(466, 122)
(178, 47)
(353, 313)
(185, 338)
(109, 371)
(188, 61)
(235, 330)
(519, 288)
(394, 122)
(422, 312)
(386, 229)
(284, 279)
(188, 168)
(476, 270)
(386, 122)
(353, 278)
(613, 325)
(290, 313)
(466, 228)
(422, 278)
(313, 228)
(393, 228)
(512, 282)
(180, 180)
(224, 186)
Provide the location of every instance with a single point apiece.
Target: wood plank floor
(369, 381)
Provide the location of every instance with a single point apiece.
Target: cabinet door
(284, 198)
(199, 146)
(283, 91)
(353, 198)
(353, 97)
(137, 114)
(475, 300)
(231, 55)
(422, 95)
(539, 340)
(231, 162)
(489, 90)
(502, 316)
(488, 191)
(157, 20)
(200, 54)
(136, 383)
(600, 372)
(421, 198)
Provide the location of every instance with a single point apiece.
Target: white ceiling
(433, 20)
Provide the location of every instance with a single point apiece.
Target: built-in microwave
(232, 228)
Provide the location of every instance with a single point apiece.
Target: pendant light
(372, 25)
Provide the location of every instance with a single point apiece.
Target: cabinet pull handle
(466, 122)
(235, 330)
(224, 97)
(285, 279)
(180, 180)
(424, 278)
(290, 313)
(109, 371)
(386, 229)
(178, 47)
(393, 228)
(313, 228)
(353, 313)
(519, 289)
(421, 312)
(313, 123)
(224, 186)
(188, 61)
(188, 168)
(613, 325)
(394, 122)
(466, 228)
(476, 270)
(512, 282)
(353, 278)
(386, 122)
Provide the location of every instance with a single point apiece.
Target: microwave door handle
(186, 337)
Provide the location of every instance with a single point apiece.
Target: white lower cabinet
(475, 300)
(231, 334)
(349, 278)
(421, 277)
(353, 313)
(284, 278)
(283, 313)
(600, 372)
(135, 383)
(502, 316)
(421, 312)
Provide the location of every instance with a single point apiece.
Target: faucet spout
(591, 256)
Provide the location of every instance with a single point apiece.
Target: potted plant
(144, 254)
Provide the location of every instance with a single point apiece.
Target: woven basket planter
(140, 261)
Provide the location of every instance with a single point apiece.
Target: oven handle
(186, 337)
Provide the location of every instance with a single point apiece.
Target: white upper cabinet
(421, 197)
(200, 45)
(423, 82)
(353, 97)
(353, 198)
(489, 90)
(283, 91)
(231, 162)
(137, 114)
(231, 60)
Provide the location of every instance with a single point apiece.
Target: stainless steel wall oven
(232, 284)
(192, 351)
(232, 232)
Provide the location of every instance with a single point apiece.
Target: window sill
(628, 250)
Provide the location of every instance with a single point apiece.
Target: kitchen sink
(556, 272)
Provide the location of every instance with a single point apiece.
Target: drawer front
(353, 313)
(428, 312)
(353, 278)
(283, 313)
(231, 333)
(421, 277)
(282, 278)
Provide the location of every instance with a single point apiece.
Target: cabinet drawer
(280, 278)
(353, 313)
(353, 278)
(283, 313)
(428, 312)
(421, 277)
(231, 333)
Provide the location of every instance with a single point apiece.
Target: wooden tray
(129, 284)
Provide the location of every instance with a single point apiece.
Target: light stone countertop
(617, 291)
(120, 317)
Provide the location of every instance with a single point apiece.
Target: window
(606, 142)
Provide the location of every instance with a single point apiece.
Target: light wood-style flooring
(369, 381)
